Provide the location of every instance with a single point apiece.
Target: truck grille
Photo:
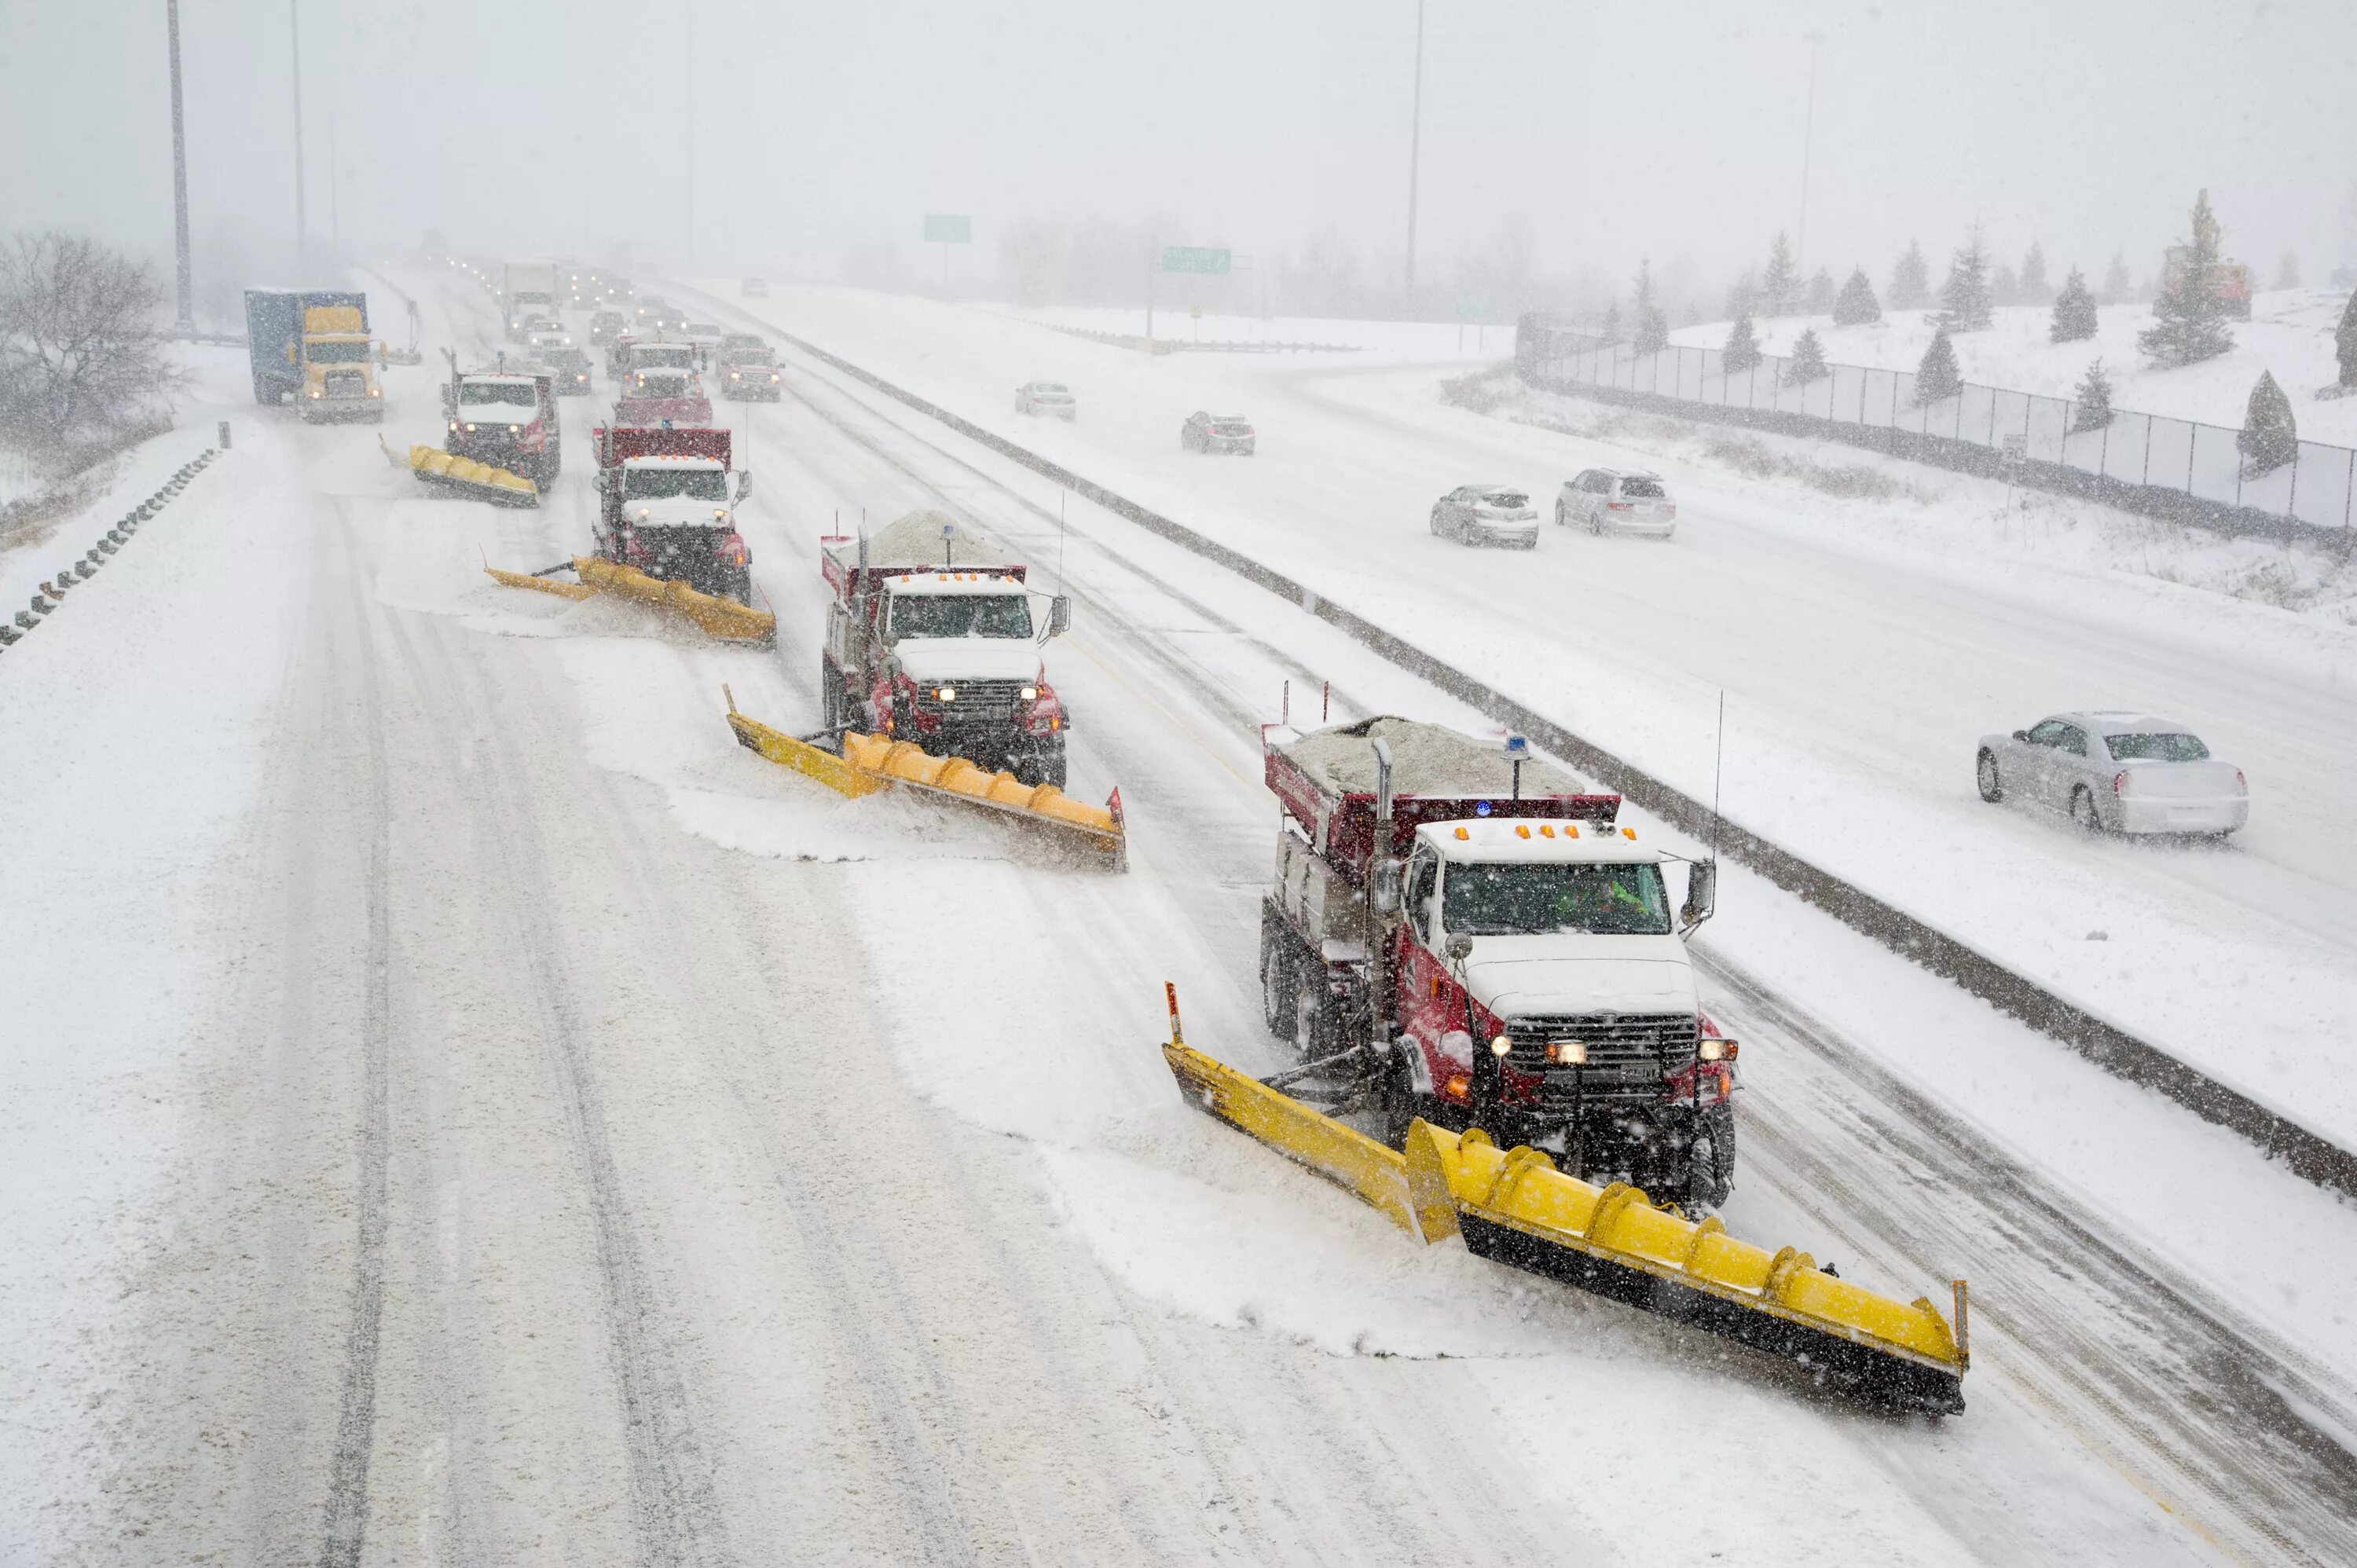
(977, 701)
(1628, 1055)
(346, 384)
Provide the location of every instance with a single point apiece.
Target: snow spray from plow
(1514, 1208)
(869, 763)
(724, 619)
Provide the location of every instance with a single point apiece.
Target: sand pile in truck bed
(1426, 760)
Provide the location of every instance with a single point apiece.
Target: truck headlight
(1500, 1046)
(1568, 1053)
(946, 693)
(1718, 1050)
(515, 429)
(1030, 694)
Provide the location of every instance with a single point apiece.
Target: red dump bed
(1341, 823)
(616, 444)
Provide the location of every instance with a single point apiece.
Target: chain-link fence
(2131, 460)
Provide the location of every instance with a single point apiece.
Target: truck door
(1425, 986)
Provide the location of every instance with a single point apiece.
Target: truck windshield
(961, 615)
(700, 484)
(1524, 899)
(478, 393)
(337, 354)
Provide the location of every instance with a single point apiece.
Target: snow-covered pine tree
(2093, 399)
(1779, 285)
(1964, 303)
(1856, 305)
(2004, 288)
(1911, 280)
(1612, 322)
(2344, 344)
(1743, 294)
(2074, 311)
(1821, 292)
(1644, 286)
(2270, 436)
(2032, 284)
(1808, 361)
(2287, 272)
(1652, 330)
(1937, 377)
(2116, 286)
(2188, 319)
(1742, 349)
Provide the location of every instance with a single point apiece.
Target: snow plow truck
(505, 416)
(1454, 932)
(933, 637)
(667, 507)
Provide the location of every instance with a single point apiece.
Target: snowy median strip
(53, 590)
(2306, 1154)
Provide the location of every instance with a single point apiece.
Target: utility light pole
(1414, 146)
(294, 35)
(1808, 138)
(186, 323)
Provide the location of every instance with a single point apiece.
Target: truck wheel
(830, 696)
(1040, 767)
(1397, 1098)
(1275, 985)
(1710, 1169)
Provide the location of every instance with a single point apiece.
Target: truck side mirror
(1460, 947)
(598, 479)
(1383, 886)
(1702, 893)
(744, 483)
(1060, 615)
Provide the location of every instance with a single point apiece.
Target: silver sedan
(2127, 773)
(1487, 514)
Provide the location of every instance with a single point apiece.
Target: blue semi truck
(311, 348)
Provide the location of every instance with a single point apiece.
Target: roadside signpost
(1210, 259)
(947, 228)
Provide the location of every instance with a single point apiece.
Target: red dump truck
(1457, 932)
(667, 507)
(933, 637)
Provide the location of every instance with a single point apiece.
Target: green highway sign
(1193, 259)
(948, 229)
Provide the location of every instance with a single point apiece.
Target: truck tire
(830, 695)
(262, 394)
(1040, 767)
(1710, 1167)
(1396, 1099)
(1276, 982)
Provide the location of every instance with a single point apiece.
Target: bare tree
(81, 349)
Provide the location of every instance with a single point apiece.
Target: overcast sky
(1674, 129)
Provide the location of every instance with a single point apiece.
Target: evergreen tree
(1612, 322)
(1937, 376)
(1644, 286)
(2093, 398)
(2270, 436)
(2287, 272)
(2344, 344)
(2116, 286)
(1964, 302)
(1808, 361)
(2004, 288)
(2074, 312)
(1652, 330)
(1742, 349)
(1743, 295)
(1779, 287)
(2188, 318)
(2034, 288)
(1821, 292)
(1911, 280)
(1856, 305)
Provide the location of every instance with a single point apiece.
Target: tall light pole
(1808, 138)
(294, 36)
(1415, 147)
(186, 323)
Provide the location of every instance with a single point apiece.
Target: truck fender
(1419, 1065)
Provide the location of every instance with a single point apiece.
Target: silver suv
(1487, 514)
(1605, 501)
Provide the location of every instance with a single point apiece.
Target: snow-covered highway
(563, 1138)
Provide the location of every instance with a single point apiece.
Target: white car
(753, 288)
(2116, 772)
(1487, 514)
(1607, 500)
(1047, 397)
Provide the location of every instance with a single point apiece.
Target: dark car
(606, 326)
(1217, 432)
(749, 375)
(569, 370)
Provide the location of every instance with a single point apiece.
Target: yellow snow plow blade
(872, 762)
(1515, 1208)
(542, 585)
(464, 475)
(715, 617)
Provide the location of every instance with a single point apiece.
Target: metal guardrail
(2174, 468)
(2305, 1153)
(1182, 345)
